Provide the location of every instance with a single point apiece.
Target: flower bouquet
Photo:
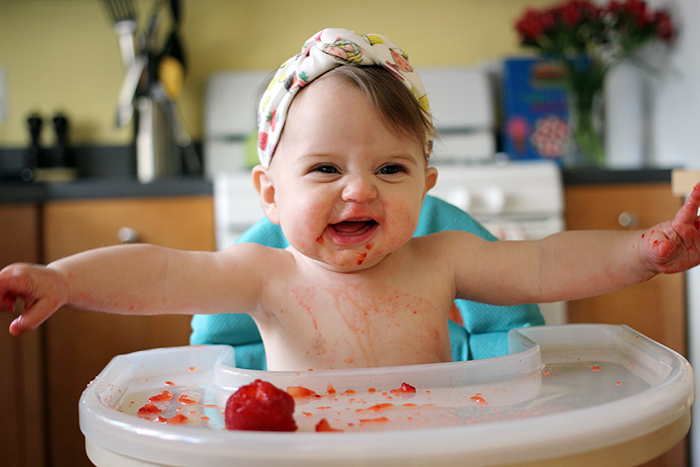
(589, 40)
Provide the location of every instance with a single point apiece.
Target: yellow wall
(63, 55)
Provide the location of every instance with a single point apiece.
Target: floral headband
(324, 51)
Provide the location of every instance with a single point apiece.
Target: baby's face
(347, 189)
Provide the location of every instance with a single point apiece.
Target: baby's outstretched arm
(598, 262)
(130, 279)
(577, 264)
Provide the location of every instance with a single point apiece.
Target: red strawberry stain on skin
(320, 240)
(260, 406)
(360, 257)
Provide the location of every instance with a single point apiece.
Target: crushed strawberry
(405, 388)
(323, 425)
(148, 409)
(301, 392)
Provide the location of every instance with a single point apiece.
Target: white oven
(515, 201)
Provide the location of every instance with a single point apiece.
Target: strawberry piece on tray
(260, 406)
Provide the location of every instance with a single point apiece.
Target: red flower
(579, 27)
(529, 26)
(637, 9)
(663, 25)
(571, 14)
(548, 19)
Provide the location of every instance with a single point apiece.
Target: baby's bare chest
(371, 325)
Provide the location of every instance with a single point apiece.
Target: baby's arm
(132, 279)
(577, 264)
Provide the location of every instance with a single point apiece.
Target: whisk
(123, 15)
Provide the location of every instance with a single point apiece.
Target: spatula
(123, 15)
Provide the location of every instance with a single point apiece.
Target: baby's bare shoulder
(445, 241)
(255, 252)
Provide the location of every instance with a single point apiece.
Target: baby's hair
(395, 102)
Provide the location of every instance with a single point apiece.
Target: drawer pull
(128, 235)
(628, 220)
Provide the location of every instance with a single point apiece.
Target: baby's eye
(326, 169)
(391, 169)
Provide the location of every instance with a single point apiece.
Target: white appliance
(461, 101)
(515, 201)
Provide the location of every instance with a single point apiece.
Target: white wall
(676, 96)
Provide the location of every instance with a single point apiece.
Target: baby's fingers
(661, 245)
(42, 290)
(688, 213)
(32, 318)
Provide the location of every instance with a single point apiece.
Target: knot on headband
(324, 51)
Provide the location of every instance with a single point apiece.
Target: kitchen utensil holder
(157, 153)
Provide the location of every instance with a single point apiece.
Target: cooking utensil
(123, 15)
(181, 135)
(125, 110)
(172, 65)
(151, 33)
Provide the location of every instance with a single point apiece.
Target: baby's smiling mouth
(353, 227)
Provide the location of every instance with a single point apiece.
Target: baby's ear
(431, 176)
(266, 190)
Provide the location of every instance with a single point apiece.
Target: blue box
(535, 115)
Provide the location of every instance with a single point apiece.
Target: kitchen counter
(598, 176)
(13, 191)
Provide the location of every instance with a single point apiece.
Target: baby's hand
(674, 246)
(43, 290)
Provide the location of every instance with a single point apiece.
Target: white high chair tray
(565, 395)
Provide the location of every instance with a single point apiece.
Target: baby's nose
(359, 189)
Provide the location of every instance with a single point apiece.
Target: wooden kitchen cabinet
(22, 431)
(655, 308)
(80, 343)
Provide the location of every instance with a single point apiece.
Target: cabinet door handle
(628, 220)
(128, 235)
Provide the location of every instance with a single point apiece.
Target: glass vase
(585, 82)
(586, 130)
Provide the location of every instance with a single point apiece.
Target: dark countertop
(572, 177)
(15, 191)
(123, 187)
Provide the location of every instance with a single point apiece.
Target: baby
(345, 180)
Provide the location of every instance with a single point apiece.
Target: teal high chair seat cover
(485, 330)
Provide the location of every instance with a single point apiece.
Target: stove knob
(494, 199)
(128, 235)
(628, 220)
